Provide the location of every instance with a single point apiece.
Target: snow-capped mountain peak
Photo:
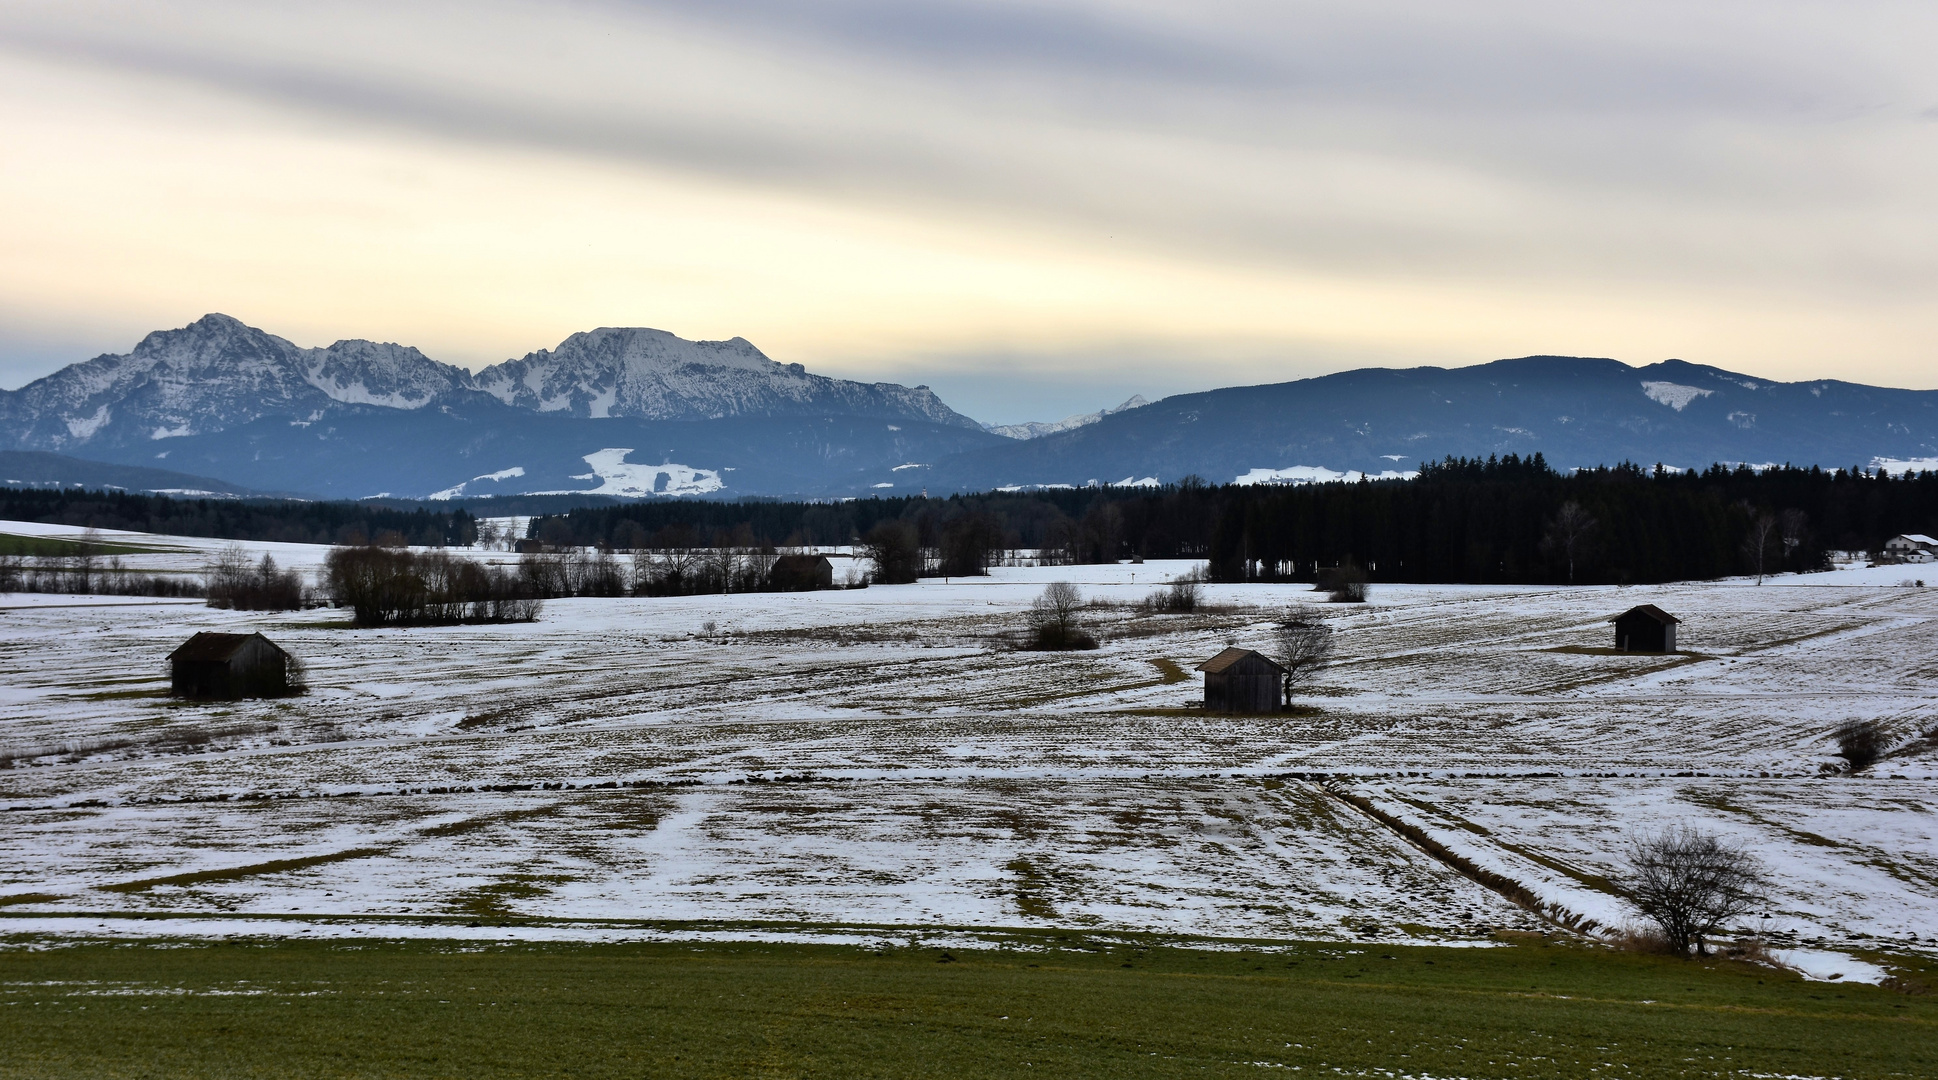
(370, 373)
(1036, 429)
(654, 375)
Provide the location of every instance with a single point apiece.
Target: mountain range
(634, 412)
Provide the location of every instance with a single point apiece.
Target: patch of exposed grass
(49, 546)
(494, 901)
(1086, 1009)
(235, 873)
(1169, 671)
(1031, 887)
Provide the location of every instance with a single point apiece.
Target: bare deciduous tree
(1688, 883)
(1053, 619)
(1568, 534)
(1794, 525)
(1758, 541)
(1304, 645)
(896, 550)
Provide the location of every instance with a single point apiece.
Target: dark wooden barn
(801, 573)
(1645, 629)
(211, 665)
(1243, 681)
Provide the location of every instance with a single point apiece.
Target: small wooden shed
(801, 573)
(1243, 681)
(1646, 628)
(211, 665)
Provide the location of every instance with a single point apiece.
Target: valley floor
(880, 762)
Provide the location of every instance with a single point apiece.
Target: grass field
(11, 544)
(1046, 1006)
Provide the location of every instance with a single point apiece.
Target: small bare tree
(1053, 619)
(1304, 645)
(1758, 541)
(1794, 524)
(1568, 534)
(1688, 883)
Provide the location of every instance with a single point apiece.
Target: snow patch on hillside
(457, 490)
(1674, 395)
(1317, 474)
(82, 428)
(1897, 466)
(620, 477)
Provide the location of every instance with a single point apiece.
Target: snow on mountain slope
(368, 373)
(653, 375)
(1036, 429)
(213, 374)
(219, 374)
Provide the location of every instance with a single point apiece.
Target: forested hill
(1498, 520)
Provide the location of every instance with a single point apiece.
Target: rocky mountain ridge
(219, 373)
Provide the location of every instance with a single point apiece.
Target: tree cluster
(235, 581)
(400, 587)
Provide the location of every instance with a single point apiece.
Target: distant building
(1243, 681)
(1645, 629)
(211, 665)
(1911, 548)
(801, 573)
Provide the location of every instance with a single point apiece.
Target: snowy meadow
(884, 761)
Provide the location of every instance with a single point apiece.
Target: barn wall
(1248, 686)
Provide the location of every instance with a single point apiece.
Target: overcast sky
(1034, 208)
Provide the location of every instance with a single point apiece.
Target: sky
(1036, 208)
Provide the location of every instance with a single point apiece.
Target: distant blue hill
(38, 469)
(1578, 412)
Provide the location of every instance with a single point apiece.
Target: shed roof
(1231, 656)
(801, 562)
(211, 647)
(1651, 611)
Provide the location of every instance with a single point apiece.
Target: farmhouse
(1645, 629)
(1911, 548)
(801, 573)
(1243, 681)
(211, 665)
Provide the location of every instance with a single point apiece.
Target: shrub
(1861, 743)
(1344, 584)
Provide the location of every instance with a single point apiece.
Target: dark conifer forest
(278, 520)
(1505, 520)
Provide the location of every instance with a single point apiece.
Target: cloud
(1767, 155)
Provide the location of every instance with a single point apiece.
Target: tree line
(1503, 520)
(277, 520)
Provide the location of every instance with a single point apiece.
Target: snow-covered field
(881, 757)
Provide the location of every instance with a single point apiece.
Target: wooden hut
(801, 573)
(1243, 681)
(211, 665)
(1645, 629)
